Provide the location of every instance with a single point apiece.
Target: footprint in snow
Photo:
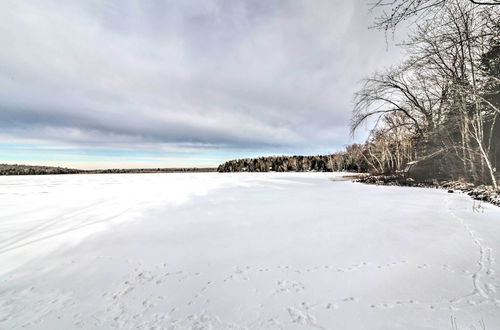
(350, 299)
(332, 306)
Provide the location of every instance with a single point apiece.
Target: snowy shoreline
(480, 193)
(243, 251)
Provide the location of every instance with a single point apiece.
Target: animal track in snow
(289, 286)
(302, 315)
(392, 264)
(483, 279)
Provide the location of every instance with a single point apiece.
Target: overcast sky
(149, 83)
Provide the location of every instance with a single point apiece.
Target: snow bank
(243, 251)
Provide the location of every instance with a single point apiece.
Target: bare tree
(441, 95)
(394, 12)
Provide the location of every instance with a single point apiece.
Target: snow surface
(243, 251)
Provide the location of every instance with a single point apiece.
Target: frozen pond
(243, 251)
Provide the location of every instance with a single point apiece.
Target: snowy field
(243, 251)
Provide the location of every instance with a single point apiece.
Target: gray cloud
(225, 74)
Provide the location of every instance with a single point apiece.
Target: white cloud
(231, 74)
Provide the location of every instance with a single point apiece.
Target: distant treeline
(354, 158)
(154, 170)
(341, 161)
(6, 169)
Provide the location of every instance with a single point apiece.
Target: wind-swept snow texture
(243, 251)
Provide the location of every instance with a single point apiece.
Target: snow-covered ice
(243, 251)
